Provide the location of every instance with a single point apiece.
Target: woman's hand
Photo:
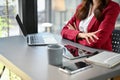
(89, 36)
(72, 27)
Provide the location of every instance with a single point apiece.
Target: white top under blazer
(83, 25)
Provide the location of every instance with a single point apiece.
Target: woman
(93, 23)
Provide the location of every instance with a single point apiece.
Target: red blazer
(110, 14)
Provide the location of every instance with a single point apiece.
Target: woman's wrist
(79, 36)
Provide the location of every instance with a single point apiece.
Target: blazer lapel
(92, 22)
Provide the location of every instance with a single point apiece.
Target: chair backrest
(116, 41)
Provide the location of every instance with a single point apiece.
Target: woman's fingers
(69, 26)
(95, 37)
(97, 31)
(91, 38)
(72, 27)
(87, 40)
(75, 26)
(93, 34)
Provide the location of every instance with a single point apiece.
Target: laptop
(36, 39)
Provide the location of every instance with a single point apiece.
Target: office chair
(116, 41)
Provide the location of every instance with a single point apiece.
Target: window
(8, 9)
(41, 14)
(58, 15)
(63, 12)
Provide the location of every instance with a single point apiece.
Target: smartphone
(72, 68)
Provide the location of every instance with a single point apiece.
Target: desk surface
(34, 62)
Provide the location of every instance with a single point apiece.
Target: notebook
(105, 58)
(36, 39)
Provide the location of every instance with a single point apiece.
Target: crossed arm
(88, 36)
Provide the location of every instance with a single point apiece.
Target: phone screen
(71, 68)
(75, 66)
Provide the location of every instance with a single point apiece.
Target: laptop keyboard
(46, 39)
(49, 39)
(34, 39)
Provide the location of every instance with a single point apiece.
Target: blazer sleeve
(107, 26)
(68, 33)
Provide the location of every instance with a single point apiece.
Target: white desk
(33, 61)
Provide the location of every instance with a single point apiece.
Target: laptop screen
(22, 27)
